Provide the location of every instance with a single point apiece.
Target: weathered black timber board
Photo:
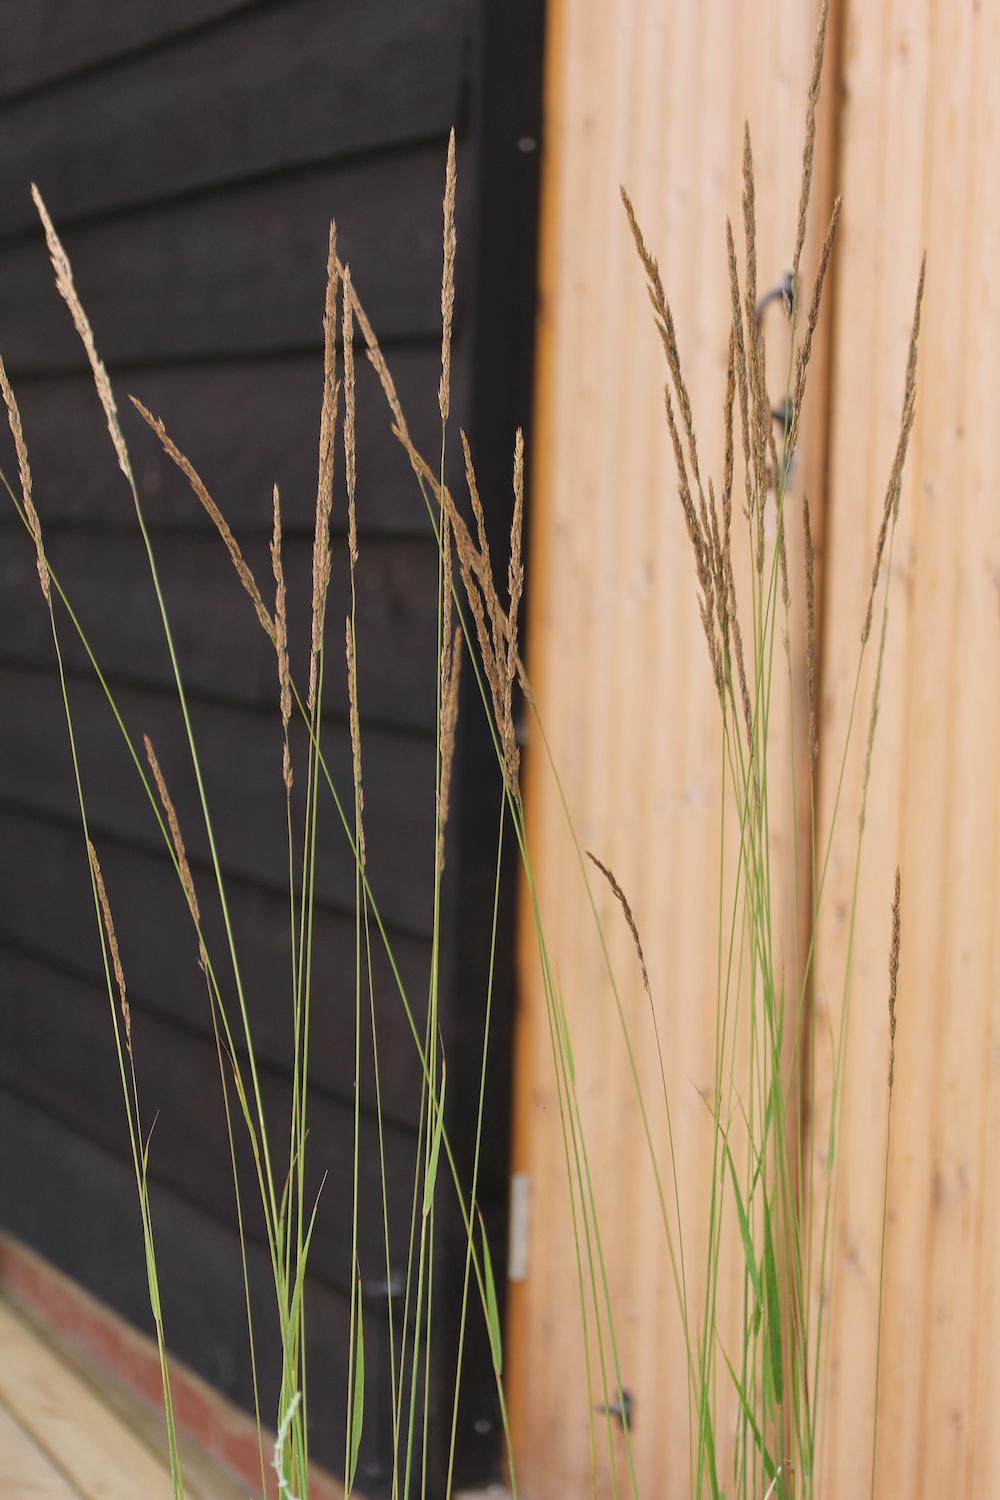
(47, 39)
(240, 270)
(502, 311)
(76, 1203)
(240, 756)
(216, 107)
(246, 425)
(223, 651)
(44, 870)
(59, 1054)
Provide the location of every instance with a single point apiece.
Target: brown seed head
(808, 149)
(448, 281)
(109, 928)
(67, 290)
(890, 510)
(187, 469)
(281, 630)
(24, 471)
(180, 854)
(350, 443)
(893, 976)
(627, 912)
(449, 721)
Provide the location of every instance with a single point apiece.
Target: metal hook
(781, 293)
(623, 1411)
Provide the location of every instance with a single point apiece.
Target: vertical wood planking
(653, 95)
(921, 158)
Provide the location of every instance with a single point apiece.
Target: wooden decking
(69, 1431)
(81, 1404)
(81, 1414)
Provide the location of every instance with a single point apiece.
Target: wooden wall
(654, 95)
(919, 171)
(192, 156)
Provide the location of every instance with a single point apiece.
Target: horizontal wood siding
(56, 38)
(237, 271)
(211, 108)
(210, 407)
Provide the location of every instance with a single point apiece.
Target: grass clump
(760, 1195)
(762, 1200)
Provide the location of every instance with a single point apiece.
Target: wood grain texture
(653, 96)
(47, 39)
(104, 1460)
(27, 1469)
(275, 88)
(920, 167)
(238, 270)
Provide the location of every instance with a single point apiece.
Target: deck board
(27, 1471)
(70, 1432)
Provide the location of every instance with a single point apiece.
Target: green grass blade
(748, 1254)
(358, 1393)
(707, 1443)
(492, 1308)
(773, 1311)
(432, 1163)
(770, 1468)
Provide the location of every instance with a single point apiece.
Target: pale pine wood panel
(920, 165)
(27, 1472)
(101, 1458)
(653, 95)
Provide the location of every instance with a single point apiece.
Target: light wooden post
(920, 169)
(652, 94)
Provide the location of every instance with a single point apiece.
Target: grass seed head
(893, 976)
(194, 479)
(24, 473)
(67, 290)
(109, 928)
(281, 639)
(180, 853)
(448, 281)
(890, 509)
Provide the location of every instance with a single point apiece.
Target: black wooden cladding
(211, 108)
(240, 755)
(50, 39)
(192, 156)
(58, 1052)
(240, 270)
(225, 655)
(43, 870)
(246, 424)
